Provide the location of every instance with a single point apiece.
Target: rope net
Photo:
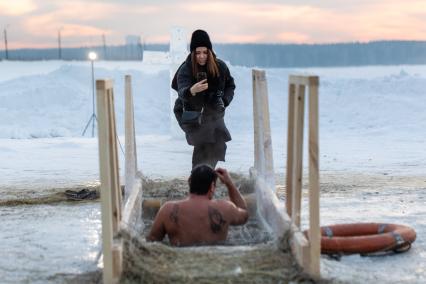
(251, 254)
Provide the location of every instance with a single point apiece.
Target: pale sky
(35, 23)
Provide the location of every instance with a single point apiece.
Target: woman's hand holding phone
(199, 87)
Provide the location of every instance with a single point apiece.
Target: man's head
(202, 176)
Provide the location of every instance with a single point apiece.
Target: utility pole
(140, 49)
(105, 49)
(5, 42)
(59, 44)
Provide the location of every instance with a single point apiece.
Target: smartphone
(201, 76)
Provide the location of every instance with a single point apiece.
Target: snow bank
(370, 117)
(54, 99)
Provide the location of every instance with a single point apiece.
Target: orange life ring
(366, 238)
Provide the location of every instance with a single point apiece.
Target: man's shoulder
(222, 203)
(169, 205)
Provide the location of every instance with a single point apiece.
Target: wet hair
(201, 178)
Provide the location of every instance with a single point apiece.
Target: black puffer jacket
(213, 125)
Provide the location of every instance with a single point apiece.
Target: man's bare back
(200, 219)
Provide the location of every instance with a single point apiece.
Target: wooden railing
(263, 162)
(268, 205)
(306, 252)
(133, 183)
(110, 185)
(114, 216)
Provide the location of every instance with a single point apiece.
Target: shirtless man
(199, 219)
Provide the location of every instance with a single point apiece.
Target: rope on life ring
(366, 238)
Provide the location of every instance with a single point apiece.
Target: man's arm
(158, 229)
(240, 213)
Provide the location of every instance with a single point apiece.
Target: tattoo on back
(216, 220)
(174, 214)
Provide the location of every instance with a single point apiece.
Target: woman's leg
(199, 155)
(215, 152)
(209, 153)
(205, 154)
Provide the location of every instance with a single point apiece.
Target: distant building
(133, 40)
(134, 46)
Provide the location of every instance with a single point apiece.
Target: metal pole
(93, 100)
(93, 118)
(104, 44)
(59, 44)
(5, 43)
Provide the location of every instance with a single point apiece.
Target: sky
(36, 23)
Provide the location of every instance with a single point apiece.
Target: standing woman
(204, 84)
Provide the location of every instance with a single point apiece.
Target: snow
(372, 123)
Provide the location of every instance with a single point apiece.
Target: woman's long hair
(212, 68)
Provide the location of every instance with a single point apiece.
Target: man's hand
(224, 176)
(240, 213)
(199, 87)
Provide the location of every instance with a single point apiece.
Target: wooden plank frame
(133, 184)
(263, 157)
(110, 184)
(269, 209)
(129, 133)
(114, 216)
(306, 251)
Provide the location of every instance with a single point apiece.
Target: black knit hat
(200, 38)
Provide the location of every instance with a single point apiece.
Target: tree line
(261, 55)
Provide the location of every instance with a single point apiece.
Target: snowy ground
(372, 137)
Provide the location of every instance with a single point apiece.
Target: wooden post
(267, 139)
(290, 148)
(109, 176)
(264, 163)
(130, 143)
(256, 127)
(306, 252)
(298, 154)
(314, 186)
(133, 187)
